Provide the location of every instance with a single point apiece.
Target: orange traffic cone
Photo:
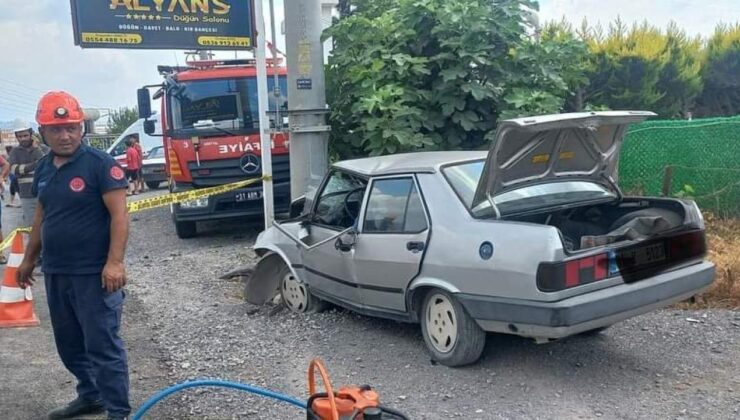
(16, 304)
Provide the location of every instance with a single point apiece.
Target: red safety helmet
(57, 108)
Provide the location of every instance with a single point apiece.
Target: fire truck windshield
(220, 106)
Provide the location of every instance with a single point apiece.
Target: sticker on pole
(163, 24)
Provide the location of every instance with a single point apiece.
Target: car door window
(120, 148)
(156, 153)
(394, 206)
(339, 203)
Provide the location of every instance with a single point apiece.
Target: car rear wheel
(153, 185)
(296, 295)
(452, 337)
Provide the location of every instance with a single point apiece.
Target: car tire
(153, 185)
(594, 332)
(185, 230)
(452, 337)
(296, 295)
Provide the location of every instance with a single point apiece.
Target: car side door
(389, 248)
(337, 208)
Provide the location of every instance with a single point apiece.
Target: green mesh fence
(699, 159)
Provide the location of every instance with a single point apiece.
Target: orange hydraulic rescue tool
(349, 403)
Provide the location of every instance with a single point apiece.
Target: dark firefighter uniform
(76, 239)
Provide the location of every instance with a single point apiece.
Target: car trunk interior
(632, 219)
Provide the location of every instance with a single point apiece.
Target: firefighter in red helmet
(81, 227)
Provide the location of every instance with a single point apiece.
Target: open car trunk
(632, 219)
(582, 146)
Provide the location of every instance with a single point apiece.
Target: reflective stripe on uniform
(25, 180)
(14, 294)
(21, 169)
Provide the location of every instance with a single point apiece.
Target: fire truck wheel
(185, 230)
(296, 295)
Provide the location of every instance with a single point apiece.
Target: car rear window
(464, 180)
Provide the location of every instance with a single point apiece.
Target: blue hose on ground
(151, 402)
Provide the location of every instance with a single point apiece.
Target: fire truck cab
(210, 129)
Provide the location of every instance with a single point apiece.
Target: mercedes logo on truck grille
(250, 164)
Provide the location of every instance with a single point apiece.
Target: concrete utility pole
(264, 122)
(309, 134)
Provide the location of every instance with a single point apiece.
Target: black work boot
(76, 408)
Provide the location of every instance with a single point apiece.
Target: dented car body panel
(381, 232)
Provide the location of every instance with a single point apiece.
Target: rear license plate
(636, 258)
(248, 196)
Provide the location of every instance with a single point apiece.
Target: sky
(37, 51)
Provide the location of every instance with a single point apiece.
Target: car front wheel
(451, 335)
(295, 294)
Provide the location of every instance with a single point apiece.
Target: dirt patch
(723, 237)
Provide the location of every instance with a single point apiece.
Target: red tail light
(552, 277)
(556, 276)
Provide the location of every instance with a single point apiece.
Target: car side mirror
(297, 207)
(346, 241)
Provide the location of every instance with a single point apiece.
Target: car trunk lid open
(577, 146)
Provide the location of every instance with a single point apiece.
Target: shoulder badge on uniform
(116, 173)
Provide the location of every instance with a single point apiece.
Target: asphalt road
(182, 322)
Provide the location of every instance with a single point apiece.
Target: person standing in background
(23, 160)
(140, 176)
(133, 166)
(3, 177)
(13, 181)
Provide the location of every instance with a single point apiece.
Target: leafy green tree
(407, 75)
(641, 67)
(680, 77)
(120, 119)
(575, 60)
(721, 74)
(626, 67)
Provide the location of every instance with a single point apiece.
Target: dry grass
(723, 236)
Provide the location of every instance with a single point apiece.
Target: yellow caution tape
(9, 239)
(155, 202)
(172, 198)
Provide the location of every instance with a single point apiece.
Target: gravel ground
(183, 322)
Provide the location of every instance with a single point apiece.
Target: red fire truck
(210, 129)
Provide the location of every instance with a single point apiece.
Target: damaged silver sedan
(532, 238)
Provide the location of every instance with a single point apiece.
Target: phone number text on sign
(105, 38)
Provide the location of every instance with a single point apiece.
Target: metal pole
(309, 134)
(276, 76)
(264, 122)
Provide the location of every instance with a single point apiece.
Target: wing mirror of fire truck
(144, 102)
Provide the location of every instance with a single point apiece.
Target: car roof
(428, 162)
